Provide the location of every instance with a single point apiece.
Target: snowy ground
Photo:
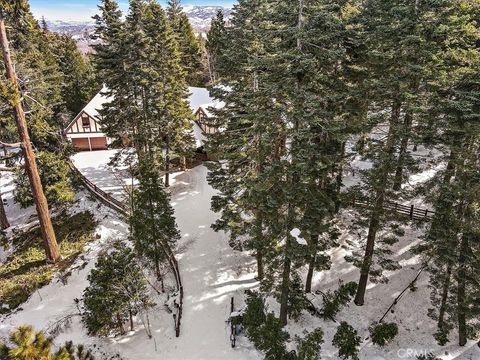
(212, 272)
(19, 219)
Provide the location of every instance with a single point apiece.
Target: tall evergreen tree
(449, 247)
(78, 85)
(395, 56)
(148, 93)
(277, 77)
(152, 223)
(215, 45)
(14, 92)
(188, 45)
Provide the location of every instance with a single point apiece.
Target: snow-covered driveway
(211, 271)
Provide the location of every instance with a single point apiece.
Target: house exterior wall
(202, 119)
(83, 123)
(85, 133)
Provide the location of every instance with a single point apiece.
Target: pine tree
(302, 144)
(20, 11)
(395, 54)
(153, 228)
(117, 290)
(253, 156)
(31, 345)
(449, 248)
(148, 92)
(40, 78)
(79, 85)
(188, 45)
(215, 45)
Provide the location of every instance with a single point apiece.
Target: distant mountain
(200, 18)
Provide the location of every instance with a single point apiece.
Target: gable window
(85, 121)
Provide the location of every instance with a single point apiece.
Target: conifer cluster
(310, 86)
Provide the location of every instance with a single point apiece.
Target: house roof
(198, 98)
(92, 108)
(96, 103)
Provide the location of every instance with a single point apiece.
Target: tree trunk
(377, 211)
(339, 179)
(369, 250)
(312, 263)
(407, 127)
(158, 273)
(285, 287)
(132, 327)
(443, 302)
(260, 270)
(360, 145)
(461, 301)
(4, 224)
(48, 234)
(121, 328)
(259, 240)
(167, 165)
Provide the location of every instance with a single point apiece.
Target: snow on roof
(200, 98)
(96, 103)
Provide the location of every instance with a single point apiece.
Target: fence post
(411, 212)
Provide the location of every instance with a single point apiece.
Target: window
(85, 121)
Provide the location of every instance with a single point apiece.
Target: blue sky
(81, 10)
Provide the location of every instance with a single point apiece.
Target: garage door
(81, 144)
(99, 143)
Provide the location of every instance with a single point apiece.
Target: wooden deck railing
(121, 208)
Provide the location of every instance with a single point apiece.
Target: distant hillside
(200, 17)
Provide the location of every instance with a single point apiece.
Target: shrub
(382, 333)
(254, 315)
(347, 341)
(264, 330)
(296, 298)
(309, 347)
(333, 302)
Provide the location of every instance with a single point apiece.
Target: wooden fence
(121, 208)
(414, 213)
